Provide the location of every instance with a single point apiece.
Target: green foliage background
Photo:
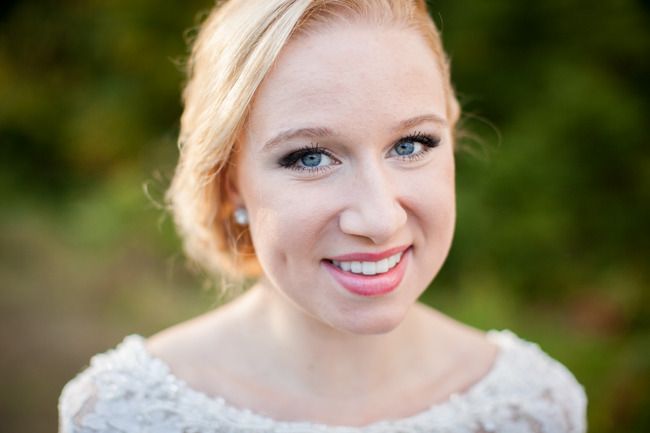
(553, 188)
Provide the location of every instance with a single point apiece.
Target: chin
(372, 322)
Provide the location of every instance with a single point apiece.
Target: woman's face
(346, 166)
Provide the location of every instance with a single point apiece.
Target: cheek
(432, 201)
(287, 221)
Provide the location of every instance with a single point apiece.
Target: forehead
(345, 75)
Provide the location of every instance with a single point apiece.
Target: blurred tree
(554, 195)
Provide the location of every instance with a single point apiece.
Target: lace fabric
(127, 390)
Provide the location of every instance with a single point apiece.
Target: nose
(373, 210)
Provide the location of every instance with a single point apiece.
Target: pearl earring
(241, 216)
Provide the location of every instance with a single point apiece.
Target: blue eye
(405, 148)
(313, 158)
(414, 146)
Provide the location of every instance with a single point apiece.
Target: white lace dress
(127, 390)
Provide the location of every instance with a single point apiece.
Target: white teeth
(370, 268)
(382, 266)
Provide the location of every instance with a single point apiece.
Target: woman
(317, 155)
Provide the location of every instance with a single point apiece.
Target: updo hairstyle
(234, 49)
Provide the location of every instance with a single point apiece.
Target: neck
(309, 356)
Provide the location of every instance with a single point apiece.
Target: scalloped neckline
(503, 340)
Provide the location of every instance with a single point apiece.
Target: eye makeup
(292, 159)
(424, 142)
(428, 140)
(420, 143)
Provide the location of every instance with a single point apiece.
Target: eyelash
(427, 140)
(289, 161)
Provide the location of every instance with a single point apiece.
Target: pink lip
(369, 257)
(369, 285)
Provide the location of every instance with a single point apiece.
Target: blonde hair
(234, 50)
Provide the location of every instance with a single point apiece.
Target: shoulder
(530, 389)
(116, 392)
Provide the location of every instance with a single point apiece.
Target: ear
(231, 187)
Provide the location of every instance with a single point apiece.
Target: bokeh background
(553, 189)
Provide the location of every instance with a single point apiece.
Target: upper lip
(370, 257)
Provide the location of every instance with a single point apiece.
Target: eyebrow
(299, 132)
(409, 123)
(320, 132)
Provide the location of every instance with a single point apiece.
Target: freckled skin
(297, 345)
(359, 81)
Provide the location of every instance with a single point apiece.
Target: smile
(370, 274)
(369, 268)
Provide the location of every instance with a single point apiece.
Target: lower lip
(370, 285)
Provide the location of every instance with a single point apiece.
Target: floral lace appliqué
(126, 390)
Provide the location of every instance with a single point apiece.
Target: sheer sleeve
(553, 411)
(77, 400)
(533, 393)
(121, 392)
